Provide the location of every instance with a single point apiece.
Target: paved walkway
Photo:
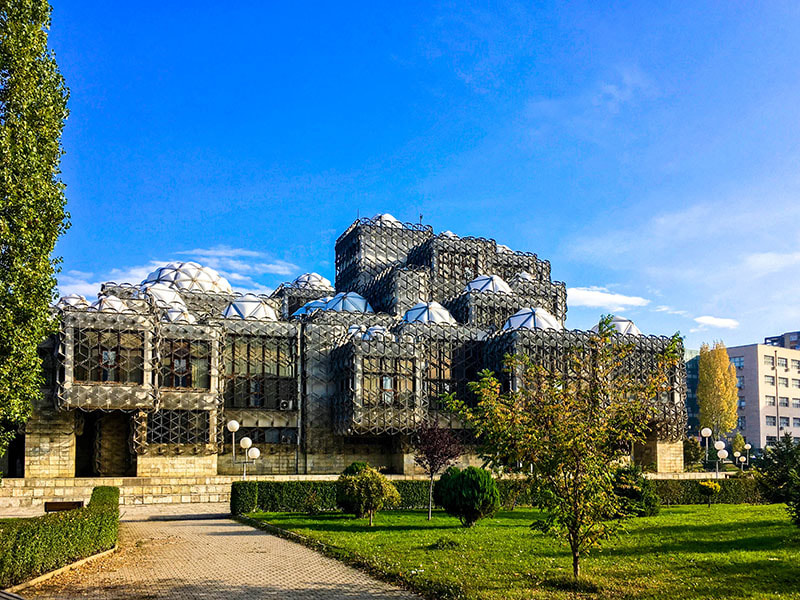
(194, 552)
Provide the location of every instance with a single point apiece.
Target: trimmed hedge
(735, 490)
(31, 547)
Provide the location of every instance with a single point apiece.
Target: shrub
(293, 496)
(355, 468)
(515, 492)
(738, 490)
(708, 489)
(370, 492)
(31, 547)
(413, 494)
(344, 499)
(244, 496)
(793, 500)
(441, 487)
(471, 495)
(637, 494)
(775, 466)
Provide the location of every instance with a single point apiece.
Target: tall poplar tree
(33, 108)
(716, 390)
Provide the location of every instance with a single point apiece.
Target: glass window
(769, 379)
(795, 421)
(388, 381)
(741, 423)
(771, 421)
(796, 383)
(795, 402)
(783, 401)
(742, 403)
(740, 381)
(770, 400)
(769, 360)
(771, 440)
(783, 362)
(259, 372)
(178, 427)
(783, 382)
(108, 357)
(738, 361)
(185, 364)
(795, 363)
(784, 422)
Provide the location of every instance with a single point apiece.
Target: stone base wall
(275, 459)
(667, 457)
(50, 445)
(196, 465)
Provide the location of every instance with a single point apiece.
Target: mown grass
(693, 552)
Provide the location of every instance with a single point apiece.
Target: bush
(344, 500)
(738, 490)
(293, 496)
(369, 491)
(793, 500)
(355, 468)
(470, 495)
(244, 495)
(31, 547)
(413, 494)
(515, 492)
(637, 494)
(441, 487)
(708, 489)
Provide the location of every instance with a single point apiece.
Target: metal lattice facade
(315, 379)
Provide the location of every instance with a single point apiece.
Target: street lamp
(721, 455)
(741, 462)
(736, 456)
(251, 453)
(719, 446)
(233, 427)
(706, 433)
(747, 448)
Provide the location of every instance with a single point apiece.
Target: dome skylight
(348, 302)
(623, 326)
(532, 318)
(189, 276)
(311, 280)
(250, 307)
(428, 312)
(488, 283)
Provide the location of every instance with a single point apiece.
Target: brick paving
(194, 552)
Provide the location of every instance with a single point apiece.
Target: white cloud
(765, 263)
(226, 260)
(222, 251)
(600, 297)
(720, 322)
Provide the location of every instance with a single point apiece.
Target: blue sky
(650, 151)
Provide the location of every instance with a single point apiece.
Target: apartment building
(790, 339)
(768, 378)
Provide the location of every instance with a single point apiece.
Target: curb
(64, 569)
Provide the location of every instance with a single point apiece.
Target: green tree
(33, 107)
(716, 390)
(774, 469)
(565, 425)
(370, 492)
(692, 452)
(737, 444)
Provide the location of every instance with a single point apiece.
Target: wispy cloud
(721, 322)
(600, 297)
(228, 261)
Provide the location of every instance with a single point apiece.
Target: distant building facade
(785, 340)
(692, 361)
(768, 380)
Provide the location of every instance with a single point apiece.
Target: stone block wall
(667, 457)
(50, 444)
(195, 465)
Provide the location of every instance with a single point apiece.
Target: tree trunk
(430, 499)
(575, 567)
(370, 518)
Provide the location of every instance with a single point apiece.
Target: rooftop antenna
(420, 218)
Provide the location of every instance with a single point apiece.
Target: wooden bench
(57, 506)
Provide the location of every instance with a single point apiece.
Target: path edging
(59, 571)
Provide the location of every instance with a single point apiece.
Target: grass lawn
(727, 551)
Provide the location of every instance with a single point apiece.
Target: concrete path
(194, 552)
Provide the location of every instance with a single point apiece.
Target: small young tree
(566, 424)
(774, 469)
(737, 444)
(716, 390)
(371, 492)
(470, 495)
(345, 498)
(692, 452)
(435, 449)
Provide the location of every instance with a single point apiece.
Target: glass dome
(311, 280)
(72, 301)
(348, 302)
(532, 318)
(189, 276)
(523, 276)
(178, 315)
(428, 312)
(488, 283)
(503, 249)
(623, 326)
(448, 234)
(312, 305)
(377, 332)
(386, 220)
(250, 307)
(111, 304)
(163, 295)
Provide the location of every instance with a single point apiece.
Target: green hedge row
(735, 490)
(31, 547)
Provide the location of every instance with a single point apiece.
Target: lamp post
(233, 427)
(251, 453)
(721, 455)
(719, 446)
(741, 462)
(706, 433)
(736, 456)
(747, 449)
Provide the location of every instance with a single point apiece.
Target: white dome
(623, 326)
(250, 307)
(312, 305)
(503, 249)
(428, 312)
(377, 332)
(72, 301)
(532, 318)
(311, 280)
(163, 295)
(386, 220)
(178, 315)
(348, 302)
(189, 276)
(488, 283)
(448, 234)
(111, 304)
(356, 330)
(523, 276)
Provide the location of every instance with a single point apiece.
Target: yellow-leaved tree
(716, 390)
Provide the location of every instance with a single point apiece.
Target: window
(783, 382)
(388, 381)
(266, 435)
(741, 423)
(771, 440)
(796, 383)
(185, 364)
(769, 379)
(771, 421)
(740, 381)
(178, 427)
(742, 403)
(783, 401)
(782, 362)
(796, 363)
(259, 372)
(109, 357)
(770, 400)
(784, 422)
(795, 402)
(795, 421)
(769, 360)
(738, 362)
